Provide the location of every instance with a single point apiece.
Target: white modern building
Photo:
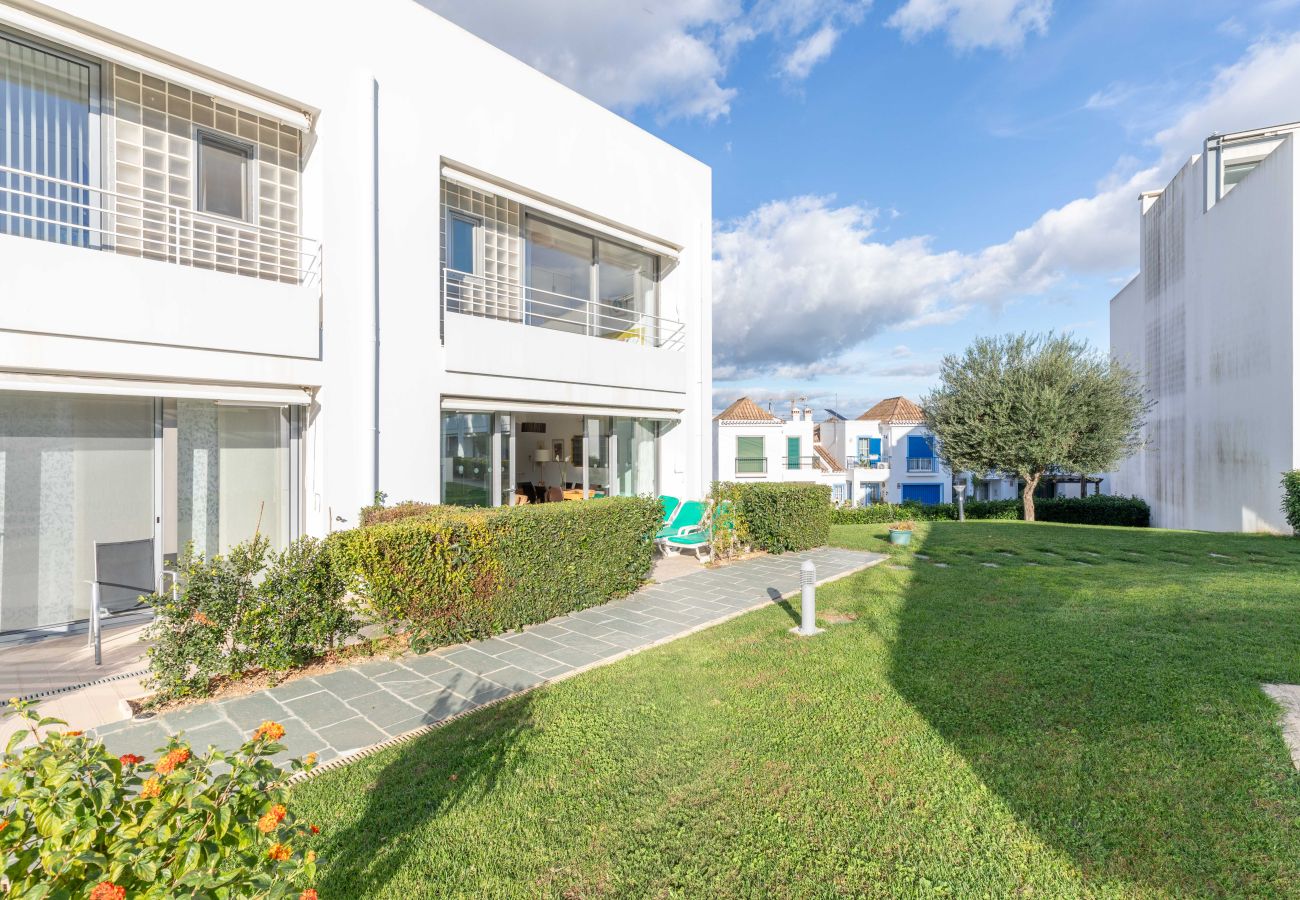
(1210, 323)
(889, 455)
(754, 444)
(257, 266)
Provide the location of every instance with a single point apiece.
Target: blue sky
(892, 178)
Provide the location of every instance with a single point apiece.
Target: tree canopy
(1029, 405)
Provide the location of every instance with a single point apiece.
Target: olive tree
(1028, 405)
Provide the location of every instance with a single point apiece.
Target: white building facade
(889, 455)
(753, 444)
(250, 277)
(1210, 323)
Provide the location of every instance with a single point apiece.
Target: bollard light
(959, 488)
(808, 611)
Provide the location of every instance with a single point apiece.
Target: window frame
(204, 136)
(476, 250)
(793, 460)
(761, 458)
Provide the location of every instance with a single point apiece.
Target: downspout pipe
(368, 278)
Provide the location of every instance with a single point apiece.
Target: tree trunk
(1031, 484)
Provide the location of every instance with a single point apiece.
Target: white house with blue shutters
(889, 455)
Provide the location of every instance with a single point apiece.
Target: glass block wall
(498, 292)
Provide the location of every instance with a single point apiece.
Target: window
(462, 243)
(1235, 171)
(223, 169)
(751, 459)
(792, 452)
(920, 454)
(868, 450)
(871, 492)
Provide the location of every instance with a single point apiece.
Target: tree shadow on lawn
(1117, 710)
(424, 779)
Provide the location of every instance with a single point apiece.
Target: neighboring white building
(752, 444)
(1210, 323)
(258, 265)
(889, 455)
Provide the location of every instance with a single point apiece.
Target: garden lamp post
(959, 488)
(808, 612)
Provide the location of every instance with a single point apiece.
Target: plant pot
(902, 538)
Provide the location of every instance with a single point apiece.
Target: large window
(48, 127)
(74, 470)
(224, 179)
(920, 453)
(751, 458)
(635, 456)
(466, 463)
(626, 284)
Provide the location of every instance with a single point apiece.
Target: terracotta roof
(745, 410)
(830, 461)
(894, 409)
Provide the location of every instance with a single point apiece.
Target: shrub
(249, 609)
(1095, 510)
(778, 517)
(1099, 509)
(76, 821)
(378, 514)
(1291, 498)
(449, 574)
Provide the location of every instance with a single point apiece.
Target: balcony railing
(67, 212)
(866, 462)
(751, 465)
(920, 464)
(499, 298)
(804, 462)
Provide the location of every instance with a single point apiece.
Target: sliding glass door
(636, 457)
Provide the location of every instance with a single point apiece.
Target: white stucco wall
(1210, 325)
(400, 91)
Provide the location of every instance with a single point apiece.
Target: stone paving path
(352, 709)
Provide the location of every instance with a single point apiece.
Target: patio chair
(671, 505)
(699, 539)
(689, 515)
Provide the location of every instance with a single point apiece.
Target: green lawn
(1081, 718)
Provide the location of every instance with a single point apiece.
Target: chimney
(807, 413)
(794, 411)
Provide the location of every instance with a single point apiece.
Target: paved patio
(350, 710)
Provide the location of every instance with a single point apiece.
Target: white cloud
(974, 24)
(809, 52)
(671, 56)
(800, 284)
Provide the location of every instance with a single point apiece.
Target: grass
(1083, 717)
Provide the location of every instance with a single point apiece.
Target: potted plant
(900, 533)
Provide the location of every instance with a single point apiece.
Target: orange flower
(272, 731)
(4, 823)
(279, 852)
(106, 890)
(309, 894)
(174, 758)
(310, 759)
(152, 788)
(73, 733)
(268, 822)
(203, 619)
(311, 856)
(130, 759)
(315, 829)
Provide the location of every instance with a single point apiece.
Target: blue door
(923, 493)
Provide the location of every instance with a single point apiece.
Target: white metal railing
(500, 298)
(920, 464)
(866, 462)
(68, 212)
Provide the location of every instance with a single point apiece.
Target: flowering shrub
(251, 608)
(76, 821)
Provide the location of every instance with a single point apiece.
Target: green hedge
(447, 574)
(1291, 498)
(1096, 510)
(778, 517)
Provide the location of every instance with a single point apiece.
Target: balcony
(55, 210)
(920, 464)
(865, 462)
(509, 301)
(795, 463)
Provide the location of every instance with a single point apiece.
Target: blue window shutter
(874, 449)
(918, 447)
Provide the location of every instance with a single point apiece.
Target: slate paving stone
(546, 630)
(427, 665)
(536, 643)
(292, 690)
(579, 626)
(438, 705)
(351, 734)
(528, 660)
(321, 709)
(249, 712)
(382, 708)
(144, 738)
(378, 668)
(515, 679)
(220, 734)
(474, 661)
(593, 646)
(191, 718)
(346, 683)
(577, 658)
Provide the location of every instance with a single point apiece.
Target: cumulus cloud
(974, 24)
(671, 56)
(799, 284)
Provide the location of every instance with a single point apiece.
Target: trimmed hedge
(448, 574)
(375, 515)
(1099, 509)
(778, 517)
(1291, 498)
